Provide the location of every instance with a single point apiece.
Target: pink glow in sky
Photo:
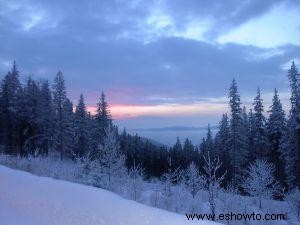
(129, 111)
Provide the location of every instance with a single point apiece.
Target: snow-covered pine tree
(293, 77)
(260, 137)
(251, 153)
(103, 119)
(81, 129)
(290, 146)
(237, 139)
(59, 99)
(276, 127)
(245, 129)
(260, 182)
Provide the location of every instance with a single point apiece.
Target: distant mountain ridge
(175, 128)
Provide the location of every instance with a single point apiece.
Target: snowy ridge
(26, 199)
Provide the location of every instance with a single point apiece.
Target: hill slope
(26, 199)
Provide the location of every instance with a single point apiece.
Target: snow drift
(26, 199)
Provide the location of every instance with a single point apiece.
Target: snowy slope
(26, 199)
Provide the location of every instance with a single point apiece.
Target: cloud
(262, 32)
(156, 55)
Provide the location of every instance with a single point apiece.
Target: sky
(160, 62)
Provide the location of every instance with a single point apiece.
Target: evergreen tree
(59, 100)
(276, 127)
(46, 117)
(10, 98)
(290, 146)
(208, 145)
(69, 129)
(293, 77)
(81, 129)
(237, 139)
(177, 154)
(260, 137)
(30, 118)
(223, 144)
(245, 131)
(188, 151)
(103, 117)
(252, 129)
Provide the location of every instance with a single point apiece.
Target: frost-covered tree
(170, 177)
(293, 200)
(276, 127)
(111, 160)
(293, 76)
(136, 175)
(85, 166)
(260, 182)
(212, 179)
(193, 180)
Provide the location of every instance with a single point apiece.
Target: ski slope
(26, 199)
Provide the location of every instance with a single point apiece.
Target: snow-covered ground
(26, 199)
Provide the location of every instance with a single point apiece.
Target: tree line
(37, 118)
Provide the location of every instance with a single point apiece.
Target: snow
(26, 199)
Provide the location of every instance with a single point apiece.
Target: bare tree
(212, 179)
(170, 178)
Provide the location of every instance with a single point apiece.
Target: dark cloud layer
(104, 45)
